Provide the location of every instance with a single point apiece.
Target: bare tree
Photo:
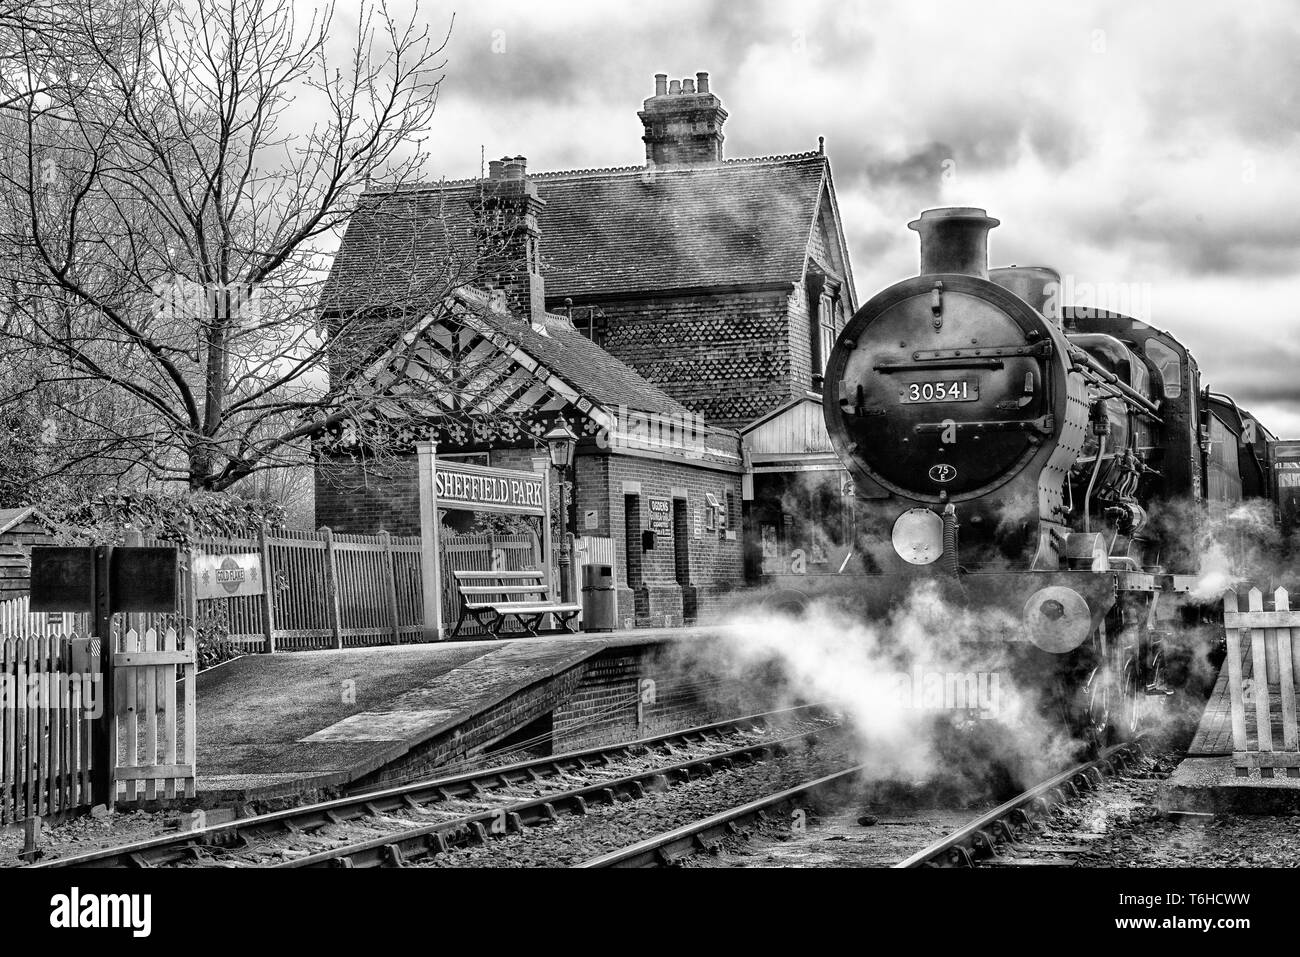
(174, 182)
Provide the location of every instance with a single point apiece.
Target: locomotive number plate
(949, 390)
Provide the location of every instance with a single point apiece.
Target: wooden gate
(154, 717)
(49, 706)
(1263, 674)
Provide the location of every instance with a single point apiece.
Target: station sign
(228, 576)
(479, 488)
(661, 521)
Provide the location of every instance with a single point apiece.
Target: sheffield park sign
(475, 487)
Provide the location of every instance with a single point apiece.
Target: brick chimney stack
(511, 237)
(683, 122)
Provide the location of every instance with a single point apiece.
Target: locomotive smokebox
(955, 239)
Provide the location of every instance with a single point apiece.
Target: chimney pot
(688, 86)
(702, 82)
(674, 87)
(661, 84)
(496, 169)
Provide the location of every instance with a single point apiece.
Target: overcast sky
(1144, 150)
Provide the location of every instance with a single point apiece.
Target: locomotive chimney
(954, 239)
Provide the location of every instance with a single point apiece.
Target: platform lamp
(562, 443)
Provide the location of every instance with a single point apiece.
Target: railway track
(394, 826)
(679, 843)
(980, 838)
(1004, 825)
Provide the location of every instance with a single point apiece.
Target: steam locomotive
(1033, 458)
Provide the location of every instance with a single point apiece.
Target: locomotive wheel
(1113, 698)
(1096, 710)
(1132, 699)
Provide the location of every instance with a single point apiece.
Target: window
(823, 317)
(590, 321)
(826, 322)
(1171, 370)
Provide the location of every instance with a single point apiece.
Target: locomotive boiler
(1008, 446)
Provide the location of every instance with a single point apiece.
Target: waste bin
(599, 599)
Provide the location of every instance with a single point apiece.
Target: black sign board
(139, 579)
(142, 579)
(63, 579)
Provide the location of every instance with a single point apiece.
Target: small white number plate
(942, 390)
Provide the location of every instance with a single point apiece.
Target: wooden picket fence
(155, 725)
(16, 619)
(46, 718)
(1263, 675)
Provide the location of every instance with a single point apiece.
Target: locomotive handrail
(1038, 349)
(1082, 357)
(1045, 424)
(953, 363)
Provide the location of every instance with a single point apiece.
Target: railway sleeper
(392, 856)
(959, 856)
(436, 843)
(985, 843)
(707, 845)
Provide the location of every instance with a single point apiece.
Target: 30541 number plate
(942, 390)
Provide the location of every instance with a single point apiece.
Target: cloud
(1121, 143)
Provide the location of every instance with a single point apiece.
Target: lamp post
(562, 443)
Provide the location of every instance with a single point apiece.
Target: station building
(676, 315)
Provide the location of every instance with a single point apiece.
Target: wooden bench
(500, 596)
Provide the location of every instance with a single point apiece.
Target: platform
(1206, 780)
(287, 725)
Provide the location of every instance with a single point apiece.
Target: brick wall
(364, 499)
(716, 566)
(726, 357)
(603, 706)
